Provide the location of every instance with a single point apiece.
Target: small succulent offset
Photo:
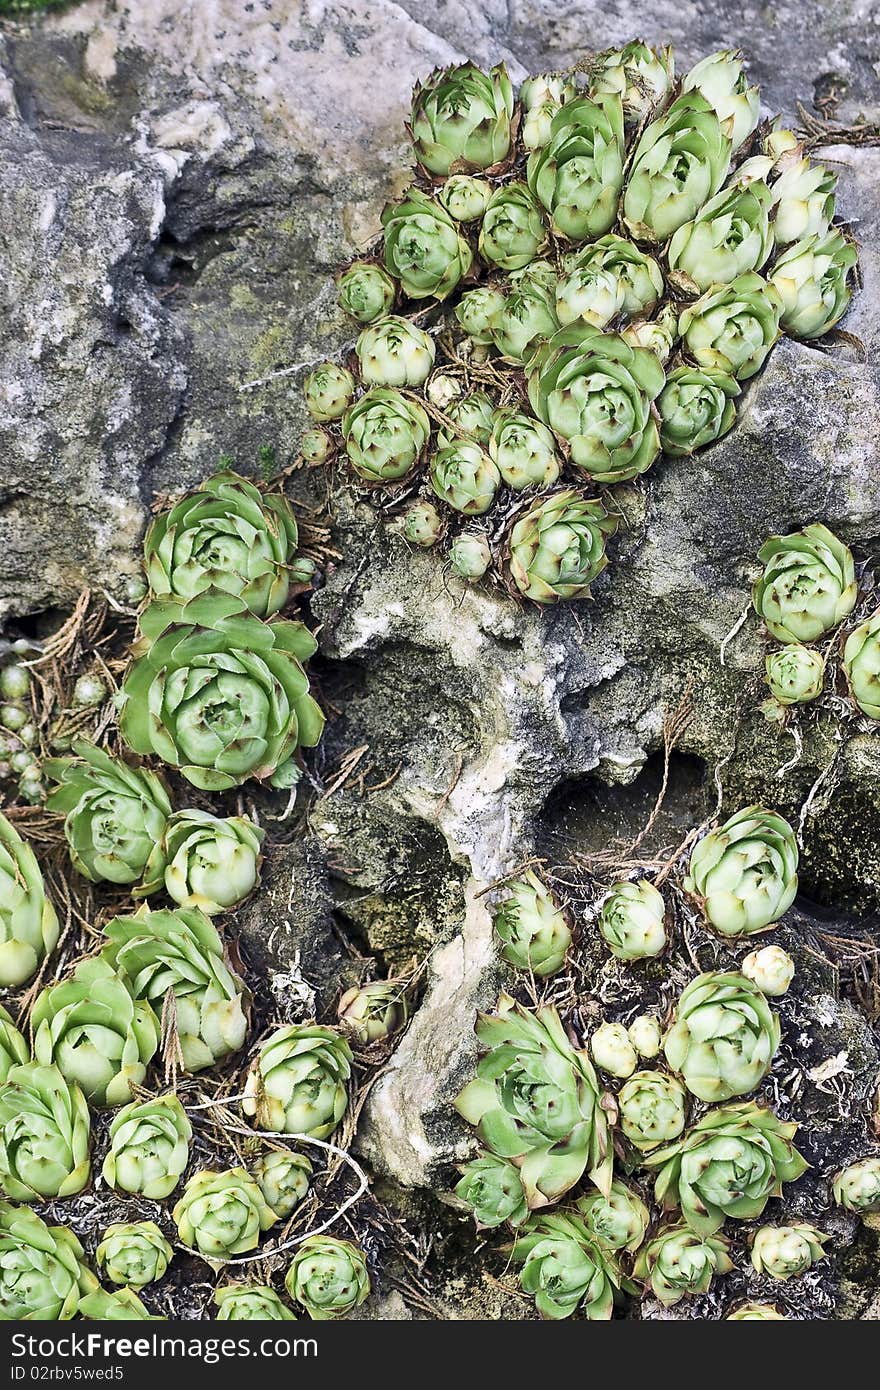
(755, 1312)
(729, 1165)
(14, 1049)
(149, 1147)
(217, 693)
(861, 663)
(328, 1277)
(808, 585)
(784, 1252)
(115, 816)
(250, 1303)
(744, 875)
(179, 951)
(385, 434)
(678, 1262)
(536, 1101)
(96, 1031)
(532, 927)
(696, 407)
(328, 391)
(227, 536)
(212, 862)
(723, 1038)
(298, 1082)
(283, 1178)
(44, 1135)
(652, 1106)
(613, 1051)
(394, 352)
(795, 674)
(373, 1012)
(222, 1214)
(492, 1188)
(857, 1187)
(771, 968)
(565, 1268)
(631, 920)
(366, 291)
(424, 248)
(43, 1277)
(133, 1253)
(470, 556)
(29, 926)
(618, 1221)
(646, 1035)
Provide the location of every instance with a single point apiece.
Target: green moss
(16, 7)
(271, 349)
(242, 297)
(88, 96)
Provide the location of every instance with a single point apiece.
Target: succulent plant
(812, 279)
(462, 120)
(222, 1214)
(523, 450)
(328, 390)
(297, 1084)
(43, 1277)
(565, 1268)
(473, 414)
(133, 1253)
(857, 1186)
(646, 1035)
(804, 198)
(756, 1312)
(771, 968)
(422, 525)
(328, 1277)
(14, 1049)
(680, 162)
(612, 1050)
(578, 175)
(556, 548)
(532, 927)
(723, 1038)
(696, 407)
(149, 1147)
(596, 392)
(637, 274)
(373, 1012)
(652, 1107)
(744, 874)
(228, 536)
(218, 694)
(492, 1188)
(731, 328)
(721, 80)
(617, 1221)
(115, 816)
(476, 310)
(784, 1252)
(540, 98)
(795, 674)
(631, 920)
(861, 663)
(588, 294)
(250, 1303)
(808, 585)
(385, 434)
(512, 232)
(394, 352)
(122, 1305)
(525, 317)
(99, 1035)
(536, 1100)
(44, 1135)
(678, 1262)
(283, 1178)
(729, 1165)
(464, 477)
(424, 249)
(212, 862)
(656, 335)
(641, 76)
(470, 555)
(178, 950)
(465, 197)
(366, 291)
(28, 923)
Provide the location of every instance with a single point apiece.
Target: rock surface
(181, 181)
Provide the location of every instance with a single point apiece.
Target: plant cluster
(579, 279)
